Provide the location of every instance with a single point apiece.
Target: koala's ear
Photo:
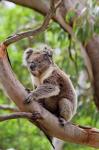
(29, 51)
(48, 51)
(26, 55)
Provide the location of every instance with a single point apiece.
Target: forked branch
(42, 28)
(16, 116)
(16, 91)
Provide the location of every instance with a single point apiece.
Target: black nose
(32, 66)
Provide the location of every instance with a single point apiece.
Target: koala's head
(38, 61)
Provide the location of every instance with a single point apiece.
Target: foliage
(20, 134)
(83, 26)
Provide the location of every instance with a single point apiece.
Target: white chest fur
(37, 81)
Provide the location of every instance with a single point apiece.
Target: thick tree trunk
(92, 50)
(15, 90)
(17, 93)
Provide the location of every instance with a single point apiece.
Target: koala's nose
(32, 66)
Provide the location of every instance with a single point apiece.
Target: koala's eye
(32, 62)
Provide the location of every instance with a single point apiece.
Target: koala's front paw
(63, 122)
(36, 116)
(29, 98)
(28, 90)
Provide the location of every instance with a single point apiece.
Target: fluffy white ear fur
(24, 63)
(30, 50)
(44, 47)
(27, 52)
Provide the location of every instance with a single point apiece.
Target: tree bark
(15, 90)
(17, 93)
(9, 108)
(43, 9)
(92, 49)
(33, 4)
(92, 46)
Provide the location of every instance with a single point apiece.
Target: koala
(53, 88)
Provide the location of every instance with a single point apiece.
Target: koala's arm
(43, 91)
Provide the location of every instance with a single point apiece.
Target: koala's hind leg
(65, 111)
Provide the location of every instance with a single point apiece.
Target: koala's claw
(28, 90)
(28, 99)
(63, 122)
(36, 116)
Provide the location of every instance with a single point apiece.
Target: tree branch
(9, 108)
(16, 116)
(43, 9)
(16, 91)
(33, 4)
(35, 32)
(58, 18)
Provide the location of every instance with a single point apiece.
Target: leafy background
(20, 134)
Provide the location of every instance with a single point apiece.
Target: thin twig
(16, 115)
(70, 54)
(9, 108)
(35, 32)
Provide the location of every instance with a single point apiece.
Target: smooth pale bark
(15, 90)
(33, 4)
(59, 18)
(17, 93)
(43, 8)
(92, 49)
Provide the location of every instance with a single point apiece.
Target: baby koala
(54, 89)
